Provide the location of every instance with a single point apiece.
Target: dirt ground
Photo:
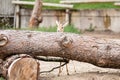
(81, 70)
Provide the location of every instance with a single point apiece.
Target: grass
(52, 1)
(45, 7)
(68, 28)
(72, 29)
(102, 5)
(108, 5)
(1, 78)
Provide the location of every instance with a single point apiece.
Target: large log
(100, 52)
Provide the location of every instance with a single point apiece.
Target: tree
(36, 17)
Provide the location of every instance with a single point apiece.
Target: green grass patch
(102, 5)
(47, 29)
(44, 7)
(69, 29)
(72, 29)
(95, 6)
(52, 1)
(1, 78)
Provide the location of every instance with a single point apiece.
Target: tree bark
(100, 52)
(36, 17)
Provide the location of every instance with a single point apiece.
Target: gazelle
(60, 28)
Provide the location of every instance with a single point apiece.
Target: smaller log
(23, 69)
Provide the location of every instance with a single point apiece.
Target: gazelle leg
(60, 69)
(67, 69)
(74, 66)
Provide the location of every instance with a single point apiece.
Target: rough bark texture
(100, 52)
(36, 17)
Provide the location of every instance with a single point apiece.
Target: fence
(82, 19)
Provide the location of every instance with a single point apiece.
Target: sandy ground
(81, 70)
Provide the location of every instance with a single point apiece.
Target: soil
(81, 70)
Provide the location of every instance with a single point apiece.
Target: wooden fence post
(68, 16)
(17, 16)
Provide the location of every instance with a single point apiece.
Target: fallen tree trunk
(100, 52)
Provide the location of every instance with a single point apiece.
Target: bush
(1, 78)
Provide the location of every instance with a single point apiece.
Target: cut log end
(24, 69)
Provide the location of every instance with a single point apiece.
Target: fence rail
(44, 4)
(67, 14)
(117, 4)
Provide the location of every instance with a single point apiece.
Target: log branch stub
(65, 41)
(3, 40)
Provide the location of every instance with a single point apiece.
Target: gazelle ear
(57, 23)
(65, 24)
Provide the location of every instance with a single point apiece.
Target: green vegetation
(1, 78)
(68, 28)
(95, 6)
(52, 1)
(47, 29)
(45, 7)
(71, 28)
(80, 5)
(5, 23)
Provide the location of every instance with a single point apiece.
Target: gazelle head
(60, 27)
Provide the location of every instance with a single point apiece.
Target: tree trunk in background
(100, 52)
(36, 17)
